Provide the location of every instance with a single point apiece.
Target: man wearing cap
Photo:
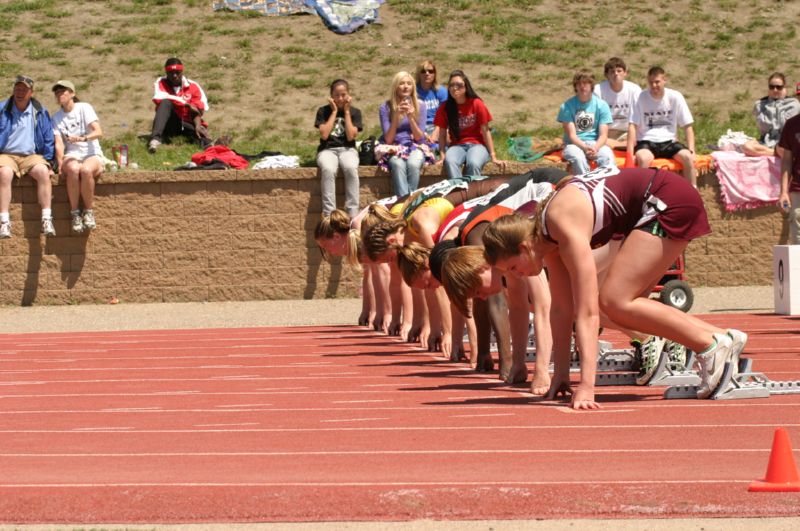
(180, 104)
(27, 147)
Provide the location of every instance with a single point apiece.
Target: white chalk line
(340, 484)
(319, 453)
(355, 420)
(537, 427)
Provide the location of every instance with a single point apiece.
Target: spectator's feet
(47, 227)
(88, 220)
(712, 364)
(649, 353)
(224, 140)
(153, 145)
(77, 223)
(5, 230)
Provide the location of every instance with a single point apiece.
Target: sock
(76, 212)
(4, 218)
(47, 213)
(88, 211)
(709, 348)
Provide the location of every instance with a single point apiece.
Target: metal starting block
(670, 374)
(744, 384)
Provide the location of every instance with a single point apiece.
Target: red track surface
(340, 423)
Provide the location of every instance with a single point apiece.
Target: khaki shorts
(21, 164)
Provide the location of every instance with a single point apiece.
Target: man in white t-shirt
(655, 119)
(620, 94)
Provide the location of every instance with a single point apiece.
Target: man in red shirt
(180, 104)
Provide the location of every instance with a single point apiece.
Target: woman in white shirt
(77, 132)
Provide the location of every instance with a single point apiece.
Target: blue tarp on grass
(340, 16)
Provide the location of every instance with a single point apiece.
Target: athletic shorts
(660, 150)
(653, 227)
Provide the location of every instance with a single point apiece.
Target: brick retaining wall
(248, 235)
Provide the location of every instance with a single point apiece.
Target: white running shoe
(650, 353)
(47, 227)
(77, 224)
(712, 364)
(5, 229)
(738, 340)
(88, 220)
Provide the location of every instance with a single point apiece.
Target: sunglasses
(428, 71)
(457, 86)
(776, 87)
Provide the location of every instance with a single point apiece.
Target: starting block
(744, 384)
(670, 374)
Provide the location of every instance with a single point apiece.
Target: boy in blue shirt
(585, 119)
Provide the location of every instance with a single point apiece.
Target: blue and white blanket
(340, 16)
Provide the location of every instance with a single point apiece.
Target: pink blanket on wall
(747, 182)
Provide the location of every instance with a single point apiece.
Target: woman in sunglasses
(771, 112)
(464, 135)
(432, 94)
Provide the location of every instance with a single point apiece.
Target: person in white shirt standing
(653, 129)
(620, 94)
(77, 132)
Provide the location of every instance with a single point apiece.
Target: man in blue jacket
(27, 147)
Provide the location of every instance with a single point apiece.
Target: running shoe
(712, 364)
(47, 227)
(649, 353)
(153, 145)
(676, 354)
(738, 340)
(77, 223)
(5, 229)
(88, 220)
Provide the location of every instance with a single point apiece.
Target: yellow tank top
(442, 206)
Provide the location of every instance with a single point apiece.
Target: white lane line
(384, 484)
(459, 451)
(130, 410)
(158, 358)
(284, 389)
(567, 409)
(480, 396)
(229, 424)
(243, 405)
(538, 427)
(355, 420)
(484, 415)
(358, 401)
(327, 374)
(169, 368)
(399, 386)
(100, 429)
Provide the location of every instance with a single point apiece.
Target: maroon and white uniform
(624, 199)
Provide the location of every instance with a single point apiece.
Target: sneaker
(153, 145)
(77, 224)
(5, 229)
(712, 364)
(649, 353)
(738, 341)
(676, 354)
(47, 227)
(88, 220)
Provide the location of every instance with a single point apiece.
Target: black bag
(366, 152)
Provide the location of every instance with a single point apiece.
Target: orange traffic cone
(782, 473)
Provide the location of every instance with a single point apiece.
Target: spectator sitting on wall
(180, 105)
(585, 119)
(653, 131)
(27, 147)
(432, 94)
(620, 94)
(771, 113)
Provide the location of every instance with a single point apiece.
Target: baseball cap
(25, 80)
(64, 83)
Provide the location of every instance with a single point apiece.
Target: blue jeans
(405, 172)
(473, 156)
(580, 164)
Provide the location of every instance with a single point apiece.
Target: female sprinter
(658, 213)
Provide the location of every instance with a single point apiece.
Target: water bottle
(123, 155)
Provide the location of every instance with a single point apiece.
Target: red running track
(341, 423)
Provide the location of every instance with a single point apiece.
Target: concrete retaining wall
(247, 235)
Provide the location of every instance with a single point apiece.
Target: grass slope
(266, 76)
